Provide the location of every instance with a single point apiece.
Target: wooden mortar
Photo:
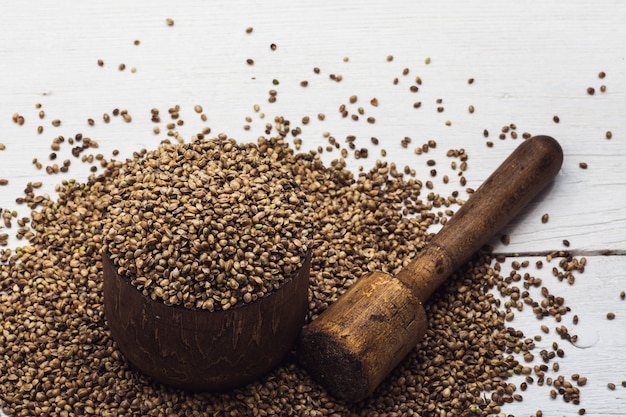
(201, 350)
(358, 340)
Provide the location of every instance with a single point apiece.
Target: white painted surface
(531, 60)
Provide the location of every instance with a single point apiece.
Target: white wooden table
(531, 60)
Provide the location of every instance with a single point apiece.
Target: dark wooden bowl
(201, 350)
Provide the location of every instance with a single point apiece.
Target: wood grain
(365, 334)
(201, 350)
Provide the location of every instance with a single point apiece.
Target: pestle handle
(529, 168)
(359, 339)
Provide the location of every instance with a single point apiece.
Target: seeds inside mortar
(207, 225)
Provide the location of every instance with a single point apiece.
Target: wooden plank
(530, 60)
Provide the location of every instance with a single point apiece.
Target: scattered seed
(169, 21)
(610, 316)
(591, 91)
(249, 29)
(394, 202)
(583, 165)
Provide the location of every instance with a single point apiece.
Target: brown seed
(610, 316)
(591, 91)
(610, 386)
(556, 118)
(169, 21)
(4, 181)
(545, 218)
(583, 165)
(2, 146)
(249, 29)
(505, 239)
(56, 122)
(608, 134)
(100, 62)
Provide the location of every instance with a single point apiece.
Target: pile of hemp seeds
(58, 358)
(207, 225)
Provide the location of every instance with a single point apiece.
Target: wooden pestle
(359, 339)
